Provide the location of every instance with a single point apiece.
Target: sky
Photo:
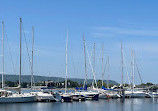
(104, 22)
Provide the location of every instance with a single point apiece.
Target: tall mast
(102, 66)
(85, 60)
(122, 60)
(133, 71)
(108, 72)
(66, 64)
(94, 66)
(2, 55)
(32, 56)
(20, 52)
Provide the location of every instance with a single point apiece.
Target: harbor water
(135, 104)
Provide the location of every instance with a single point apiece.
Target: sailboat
(42, 96)
(151, 94)
(66, 97)
(103, 94)
(89, 95)
(9, 97)
(134, 93)
(80, 94)
(110, 93)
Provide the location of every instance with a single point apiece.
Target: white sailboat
(106, 93)
(41, 96)
(134, 93)
(112, 93)
(102, 92)
(89, 95)
(151, 95)
(44, 96)
(7, 96)
(84, 94)
(66, 97)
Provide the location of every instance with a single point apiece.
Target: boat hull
(66, 99)
(17, 99)
(44, 97)
(78, 98)
(92, 97)
(138, 95)
(103, 96)
(152, 95)
(135, 94)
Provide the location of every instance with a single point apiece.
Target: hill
(27, 78)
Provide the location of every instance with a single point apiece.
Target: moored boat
(66, 97)
(90, 95)
(9, 97)
(44, 97)
(78, 96)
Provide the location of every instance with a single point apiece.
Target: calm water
(146, 104)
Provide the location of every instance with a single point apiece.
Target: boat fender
(62, 100)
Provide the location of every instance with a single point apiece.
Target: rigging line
(37, 70)
(98, 62)
(108, 71)
(9, 51)
(126, 67)
(105, 69)
(88, 66)
(27, 47)
(138, 71)
(91, 66)
(94, 63)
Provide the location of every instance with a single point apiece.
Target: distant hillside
(27, 78)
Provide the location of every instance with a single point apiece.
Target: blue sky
(103, 22)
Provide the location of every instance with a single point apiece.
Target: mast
(93, 66)
(122, 60)
(85, 61)
(108, 72)
(2, 55)
(20, 52)
(102, 67)
(32, 56)
(66, 65)
(133, 71)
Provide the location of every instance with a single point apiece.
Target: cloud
(101, 35)
(127, 31)
(145, 47)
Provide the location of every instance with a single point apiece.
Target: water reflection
(146, 104)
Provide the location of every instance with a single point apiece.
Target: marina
(93, 92)
(78, 55)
